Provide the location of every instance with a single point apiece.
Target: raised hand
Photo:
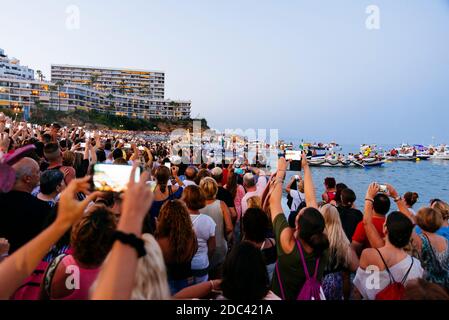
(70, 208)
(392, 191)
(373, 189)
(137, 199)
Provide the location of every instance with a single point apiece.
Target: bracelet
(370, 200)
(397, 199)
(131, 240)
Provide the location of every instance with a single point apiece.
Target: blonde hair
(254, 202)
(301, 186)
(68, 158)
(151, 276)
(443, 208)
(339, 244)
(209, 187)
(429, 219)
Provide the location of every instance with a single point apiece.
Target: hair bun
(319, 242)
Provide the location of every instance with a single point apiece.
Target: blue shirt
(443, 231)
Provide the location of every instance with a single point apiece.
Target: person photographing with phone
(377, 198)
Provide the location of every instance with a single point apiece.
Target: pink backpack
(311, 290)
(31, 287)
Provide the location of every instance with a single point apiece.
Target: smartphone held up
(295, 158)
(113, 178)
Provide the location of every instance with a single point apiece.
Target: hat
(7, 173)
(216, 171)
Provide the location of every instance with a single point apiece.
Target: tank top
(87, 278)
(269, 254)
(213, 210)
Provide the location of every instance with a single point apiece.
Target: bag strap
(196, 218)
(281, 287)
(306, 270)
(50, 273)
(408, 272)
(386, 267)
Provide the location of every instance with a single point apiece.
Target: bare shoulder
(369, 257)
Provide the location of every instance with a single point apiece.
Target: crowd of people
(206, 231)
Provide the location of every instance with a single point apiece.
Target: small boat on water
(345, 163)
(440, 153)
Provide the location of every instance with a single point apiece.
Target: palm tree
(93, 79)
(40, 75)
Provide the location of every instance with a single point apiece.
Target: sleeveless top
(435, 264)
(213, 210)
(86, 278)
(269, 254)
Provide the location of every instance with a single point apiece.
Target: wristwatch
(397, 198)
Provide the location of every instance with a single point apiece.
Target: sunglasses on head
(433, 201)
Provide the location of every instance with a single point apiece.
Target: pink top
(238, 200)
(86, 278)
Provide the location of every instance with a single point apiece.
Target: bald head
(190, 173)
(27, 175)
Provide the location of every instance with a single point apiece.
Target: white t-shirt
(369, 283)
(260, 187)
(189, 183)
(298, 197)
(204, 227)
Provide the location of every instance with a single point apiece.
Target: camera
(383, 188)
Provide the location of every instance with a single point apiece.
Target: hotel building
(139, 83)
(11, 68)
(24, 95)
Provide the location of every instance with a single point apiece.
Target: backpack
(31, 287)
(395, 290)
(311, 290)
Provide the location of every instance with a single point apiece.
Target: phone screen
(293, 155)
(168, 165)
(112, 178)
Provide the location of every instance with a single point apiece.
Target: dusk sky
(311, 69)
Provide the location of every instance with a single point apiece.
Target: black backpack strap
(386, 266)
(408, 272)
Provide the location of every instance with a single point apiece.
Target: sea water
(429, 178)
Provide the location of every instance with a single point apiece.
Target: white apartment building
(129, 82)
(25, 95)
(11, 68)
